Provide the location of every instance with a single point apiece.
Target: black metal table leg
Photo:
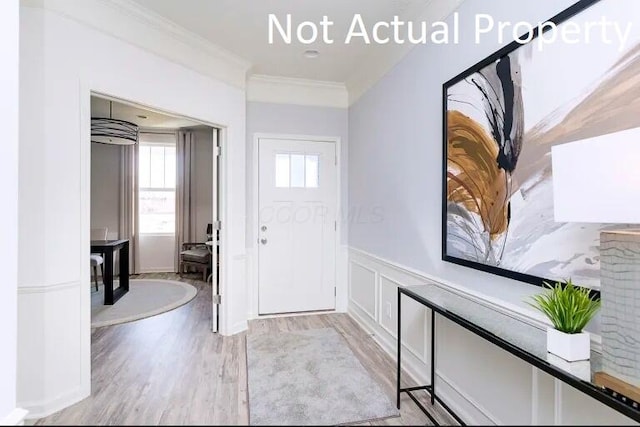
(398, 334)
(108, 277)
(433, 357)
(431, 388)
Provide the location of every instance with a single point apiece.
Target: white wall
(288, 119)
(9, 34)
(157, 253)
(61, 60)
(395, 166)
(105, 187)
(395, 152)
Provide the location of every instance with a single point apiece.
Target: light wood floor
(170, 368)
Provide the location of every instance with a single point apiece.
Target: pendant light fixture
(113, 131)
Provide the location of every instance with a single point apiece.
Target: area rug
(146, 298)
(310, 377)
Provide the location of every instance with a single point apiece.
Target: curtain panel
(128, 203)
(185, 192)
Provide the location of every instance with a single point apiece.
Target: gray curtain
(128, 204)
(185, 192)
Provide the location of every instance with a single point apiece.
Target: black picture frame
(563, 16)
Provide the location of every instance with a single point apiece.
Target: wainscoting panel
(543, 395)
(481, 382)
(579, 409)
(415, 323)
(46, 385)
(489, 376)
(363, 284)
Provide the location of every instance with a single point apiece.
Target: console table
(515, 336)
(108, 249)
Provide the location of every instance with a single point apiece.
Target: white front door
(297, 225)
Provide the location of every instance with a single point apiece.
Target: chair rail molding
(148, 30)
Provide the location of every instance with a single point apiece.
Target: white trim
(128, 21)
(238, 327)
(529, 317)
(297, 314)
(286, 90)
(535, 400)
(395, 282)
(48, 288)
(462, 396)
(341, 285)
(374, 67)
(501, 306)
(14, 418)
(557, 401)
(376, 285)
(158, 270)
(43, 408)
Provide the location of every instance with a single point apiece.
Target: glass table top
(522, 339)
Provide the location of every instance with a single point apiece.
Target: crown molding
(387, 56)
(134, 24)
(287, 90)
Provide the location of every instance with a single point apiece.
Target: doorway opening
(154, 212)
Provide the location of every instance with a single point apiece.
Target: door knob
(263, 241)
(263, 228)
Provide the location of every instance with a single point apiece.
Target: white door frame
(255, 220)
(86, 91)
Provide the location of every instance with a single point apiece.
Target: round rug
(146, 298)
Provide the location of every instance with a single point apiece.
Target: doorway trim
(85, 93)
(254, 281)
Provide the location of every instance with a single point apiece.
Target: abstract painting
(501, 118)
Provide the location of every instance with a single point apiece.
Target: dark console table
(518, 338)
(108, 248)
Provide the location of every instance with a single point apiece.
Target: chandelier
(113, 131)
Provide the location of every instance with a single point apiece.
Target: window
(297, 170)
(157, 194)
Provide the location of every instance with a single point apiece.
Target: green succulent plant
(569, 307)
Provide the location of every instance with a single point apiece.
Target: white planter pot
(570, 347)
(580, 368)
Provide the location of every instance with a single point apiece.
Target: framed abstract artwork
(501, 118)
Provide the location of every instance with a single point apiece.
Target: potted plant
(569, 308)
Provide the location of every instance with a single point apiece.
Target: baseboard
(238, 327)
(14, 418)
(418, 371)
(45, 408)
(158, 270)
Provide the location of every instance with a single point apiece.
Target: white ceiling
(131, 113)
(241, 27)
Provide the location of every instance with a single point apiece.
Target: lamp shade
(107, 130)
(598, 179)
(113, 131)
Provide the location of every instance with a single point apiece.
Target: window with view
(157, 193)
